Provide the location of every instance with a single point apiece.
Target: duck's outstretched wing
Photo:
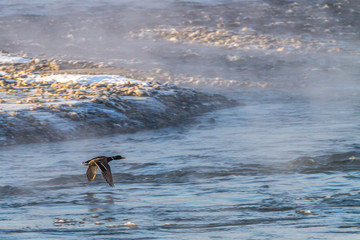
(91, 172)
(106, 171)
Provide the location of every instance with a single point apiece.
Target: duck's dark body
(101, 162)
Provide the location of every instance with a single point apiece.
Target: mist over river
(285, 164)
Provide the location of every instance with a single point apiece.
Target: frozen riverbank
(40, 107)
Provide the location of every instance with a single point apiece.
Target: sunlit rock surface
(36, 107)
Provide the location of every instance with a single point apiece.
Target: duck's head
(118, 157)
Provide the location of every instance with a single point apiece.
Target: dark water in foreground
(283, 166)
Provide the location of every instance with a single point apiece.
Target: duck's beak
(123, 157)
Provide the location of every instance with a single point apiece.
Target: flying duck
(101, 162)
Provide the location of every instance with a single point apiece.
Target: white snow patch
(86, 79)
(9, 59)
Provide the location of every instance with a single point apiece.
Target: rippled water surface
(285, 165)
(253, 171)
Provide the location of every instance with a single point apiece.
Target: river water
(285, 165)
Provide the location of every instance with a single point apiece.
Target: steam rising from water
(293, 52)
(284, 165)
(100, 31)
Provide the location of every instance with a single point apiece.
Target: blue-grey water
(285, 165)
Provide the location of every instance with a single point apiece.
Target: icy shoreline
(41, 108)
